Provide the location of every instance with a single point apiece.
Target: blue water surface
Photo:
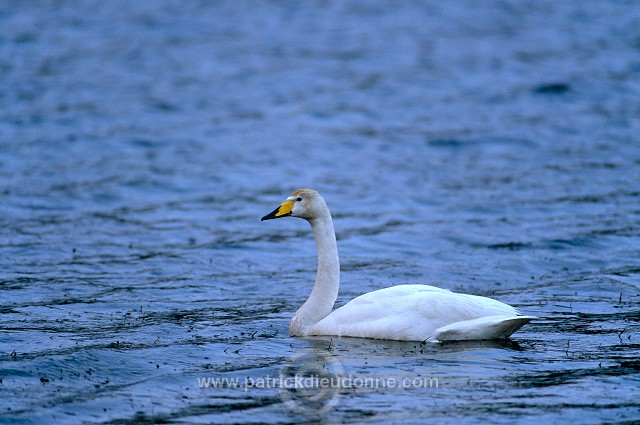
(486, 147)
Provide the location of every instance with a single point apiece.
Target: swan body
(403, 312)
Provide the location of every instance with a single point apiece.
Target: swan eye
(299, 199)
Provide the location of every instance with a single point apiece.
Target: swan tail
(488, 327)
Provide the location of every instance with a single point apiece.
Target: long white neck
(325, 290)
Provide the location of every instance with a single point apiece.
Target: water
(487, 148)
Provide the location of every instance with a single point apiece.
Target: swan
(404, 312)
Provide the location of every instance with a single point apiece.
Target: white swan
(403, 312)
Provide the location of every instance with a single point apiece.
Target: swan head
(303, 203)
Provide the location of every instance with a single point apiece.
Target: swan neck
(325, 290)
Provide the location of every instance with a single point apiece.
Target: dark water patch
(624, 231)
(554, 244)
(386, 227)
(449, 143)
(552, 88)
(605, 165)
(561, 244)
(587, 199)
(380, 264)
(626, 271)
(593, 323)
(512, 246)
(549, 379)
(218, 407)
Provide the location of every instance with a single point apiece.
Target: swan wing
(488, 327)
(412, 313)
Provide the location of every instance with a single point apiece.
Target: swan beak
(283, 210)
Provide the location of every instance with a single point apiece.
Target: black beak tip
(271, 215)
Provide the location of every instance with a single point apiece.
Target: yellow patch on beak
(285, 208)
(282, 211)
